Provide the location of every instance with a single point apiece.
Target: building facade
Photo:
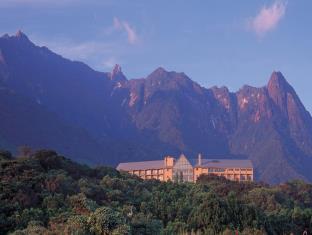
(183, 169)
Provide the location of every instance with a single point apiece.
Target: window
(182, 170)
(216, 170)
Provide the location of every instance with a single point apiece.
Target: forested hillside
(48, 194)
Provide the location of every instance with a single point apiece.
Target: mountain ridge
(164, 113)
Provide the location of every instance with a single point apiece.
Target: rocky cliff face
(268, 125)
(164, 113)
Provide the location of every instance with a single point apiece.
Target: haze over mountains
(47, 101)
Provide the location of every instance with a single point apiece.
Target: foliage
(105, 221)
(48, 194)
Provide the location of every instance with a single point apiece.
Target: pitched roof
(193, 161)
(222, 163)
(158, 164)
(130, 166)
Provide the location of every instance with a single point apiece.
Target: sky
(217, 42)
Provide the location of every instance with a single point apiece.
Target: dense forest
(44, 193)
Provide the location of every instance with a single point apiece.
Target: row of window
(149, 172)
(238, 177)
(239, 169)
(216, 170)
(185, 171)
(213, 169)
(159, 177)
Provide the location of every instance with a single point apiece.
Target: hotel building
(188, 170)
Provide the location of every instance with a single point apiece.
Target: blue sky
(217, 42)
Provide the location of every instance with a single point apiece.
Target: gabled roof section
(146, 165)
(182, 158)
(225, 163)
(159, 164)
(193, 161)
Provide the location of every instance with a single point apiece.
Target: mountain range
(48, 101)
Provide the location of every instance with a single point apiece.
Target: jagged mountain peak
(160, 70)
(161, 73)
(20, 34)
(117, 74)
(19, 37)
(171, 80)
(278, 82)
(279, 89)
(117, 69)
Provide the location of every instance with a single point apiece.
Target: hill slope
(49, 194)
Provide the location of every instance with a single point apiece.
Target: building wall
(168, 170)
(167, 173)
(236, 174)
(149, 174)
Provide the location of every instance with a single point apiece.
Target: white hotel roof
(158, 164)
(130, 166)
(226, 163)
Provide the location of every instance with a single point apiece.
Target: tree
(5, 155)
(145, 224)
(105, 221)
(210, 214)
(175, 228)
(77, 225)
(22, 218)
(33, 228)
(81, 204)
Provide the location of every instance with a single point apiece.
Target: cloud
(99, 54)
(126, 27)
(117, 24)
(78, 50)
(268, 18)
(132, 36)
